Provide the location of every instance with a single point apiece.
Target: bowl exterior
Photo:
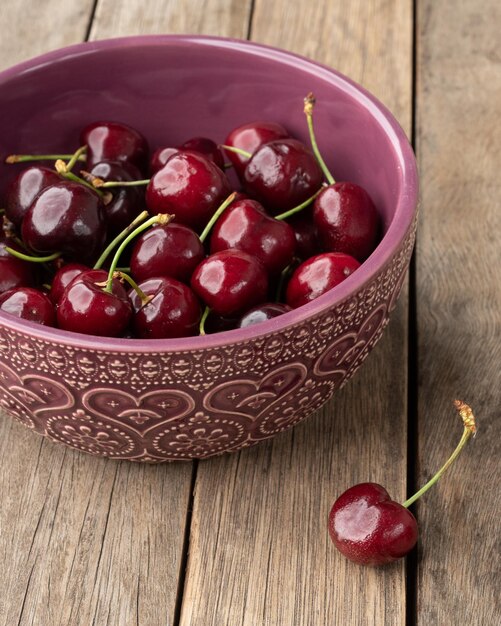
(180, 405)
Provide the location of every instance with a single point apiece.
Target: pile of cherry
(93, 246)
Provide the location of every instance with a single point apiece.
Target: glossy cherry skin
(28, 304)
(67, 218)
(114, 141)
(368, 527)
(317, 275)
(24, 188)
(174, 310)
(306, 234)
(14, 272)
(160, 158)
(262, 313)
(230, 282)
(246, 226)
(127, 202)
(189, 186)
(86, 308)
(206, 147)
(250, 137)
(63, 277)
(347, 220)
(172, 250)
(282, 174)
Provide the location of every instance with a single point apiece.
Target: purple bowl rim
(396, 233)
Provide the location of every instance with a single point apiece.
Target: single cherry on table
(370, 528)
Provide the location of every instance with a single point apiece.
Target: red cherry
(14, 272)
(173, 250)
(67, 218)
(317, 275)
(28, 304)
(347, 220)
(24, 188)
(230, 282)
(218, 324)
(63, 277)
(306, 234)
(368, 527)
(113, 141)
(127, 202)
(189, 186)
(85, 307)
(206, 147)
(173, 310)
(160, 158)
(250, 137)
(262, 313)
(282, 174)
(246, 226)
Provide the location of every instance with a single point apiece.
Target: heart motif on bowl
(253, 398)
(139, 413)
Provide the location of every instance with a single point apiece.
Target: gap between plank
(91, 20)
(412, 361)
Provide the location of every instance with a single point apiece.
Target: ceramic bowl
(165, 400)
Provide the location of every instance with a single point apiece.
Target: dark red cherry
(230, 282)
(217, 323)
(160, 158)
(172, 250)
(28, 304)
(24, 188)
(173, 311)
(250, 137)
(188, 186)
(85, 307)
(63, 277)
(246, 226)
(262, 313)
(127, 202)
(206, 147)
(347, 220)
(282, 174)
(14, 272)
(370, 528)
(306, 234)
(114, 141)
(317, 275)
(67, 218)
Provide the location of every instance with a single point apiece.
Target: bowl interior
(174, 88)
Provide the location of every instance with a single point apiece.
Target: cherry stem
(24, 158)
(202, 321)
(143, 297)
(216, 216)
(162, 218)
(61, 169)
(78, 153)
(98, 183)
(239, 151)
(120, 237)
(469, 430)
(309, 103)
(283, 276)
(33, 259)
(299, 207)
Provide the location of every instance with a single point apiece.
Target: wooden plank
(459, 304)
(30, 28)
(259, 549)
(209, 17)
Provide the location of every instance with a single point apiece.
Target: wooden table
(242, 539)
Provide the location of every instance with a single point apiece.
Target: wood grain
(259, 548)
(209, 17)
(459, 304)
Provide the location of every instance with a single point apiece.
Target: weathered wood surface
(259, 549)
(85, 541)
(459, 308)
